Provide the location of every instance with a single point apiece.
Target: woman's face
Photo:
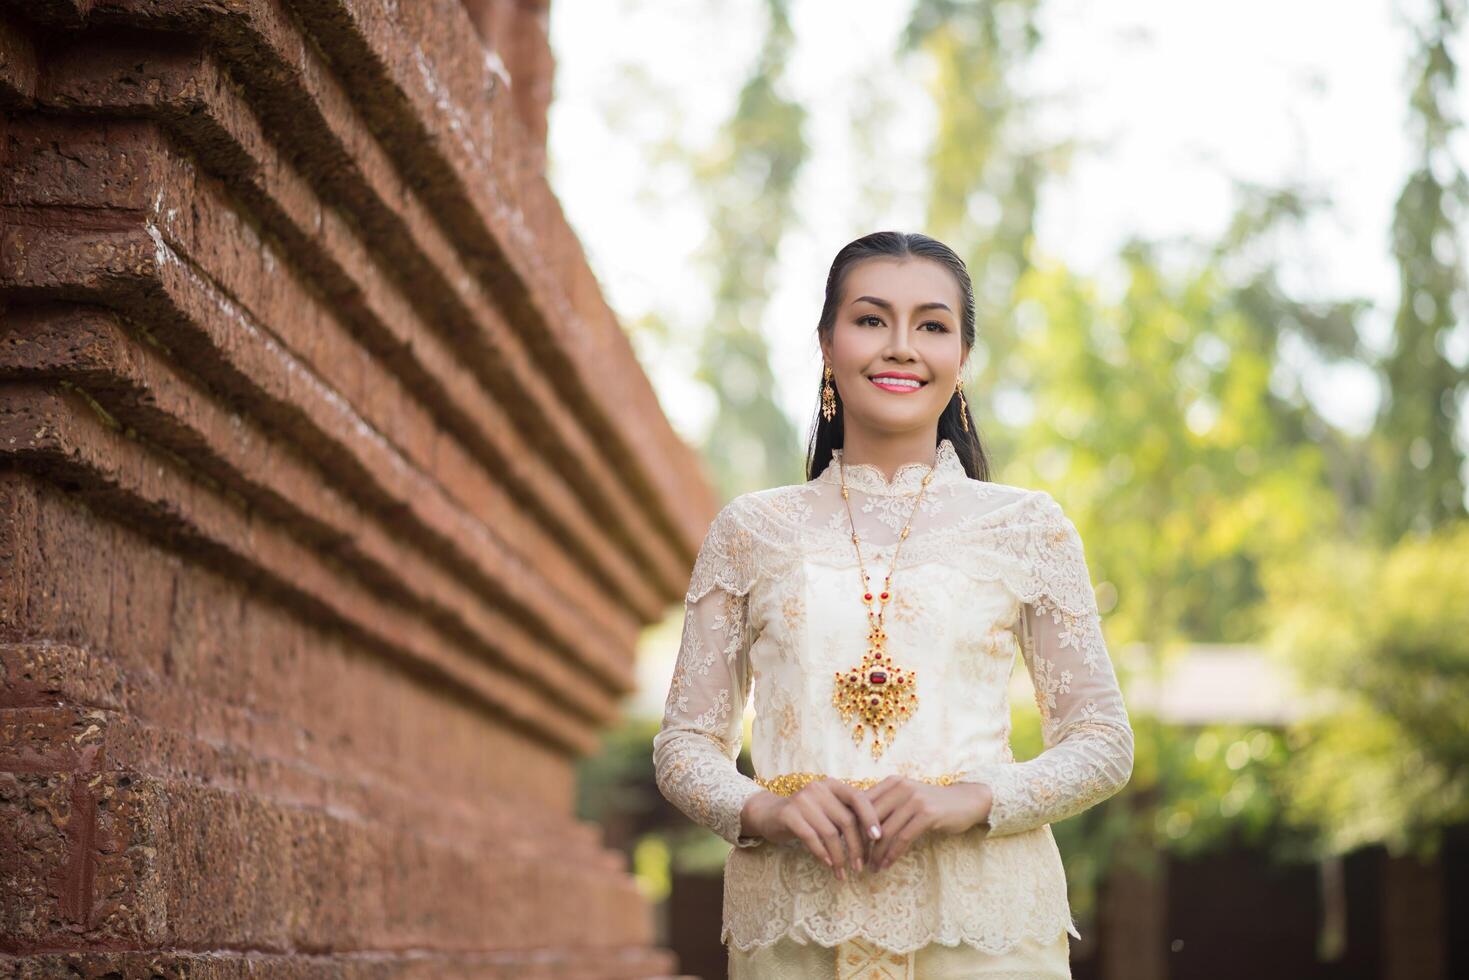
(897, 317)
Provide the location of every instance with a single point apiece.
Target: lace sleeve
(1087, 736)
(694, 751)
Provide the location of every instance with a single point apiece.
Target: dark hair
(826, 436)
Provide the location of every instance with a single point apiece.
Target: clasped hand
(835, 820)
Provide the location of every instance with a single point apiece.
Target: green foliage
(616, 788)
(1156, 425)
(1193, 790)
(619, 778)
(749, 180)
(1416, 449)
(1221, 785)
(1387, 631)
(985, 167)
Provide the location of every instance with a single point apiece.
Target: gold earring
(963, 405)
(828, 397)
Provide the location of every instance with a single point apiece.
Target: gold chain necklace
(879, 692)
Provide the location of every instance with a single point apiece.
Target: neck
(888, 452)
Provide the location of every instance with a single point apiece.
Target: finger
(814, 837)
(885, 807)
(843, 800)
(806, 834)
(896, 795)
(846, 823)
(886, 784)
(896, 815)
(869, 820)
(916, 828)
(831, 837)
(901, 829)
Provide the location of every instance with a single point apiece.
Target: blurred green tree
(1387, 631)
(1155, 419)
(986, 168)
(1419, 461)
(749, 179)
(1160, 420)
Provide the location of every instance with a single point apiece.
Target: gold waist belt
(792, 782)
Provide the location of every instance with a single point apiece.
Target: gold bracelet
(792, 782)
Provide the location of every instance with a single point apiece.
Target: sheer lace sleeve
(694, 751)
(1087, 736)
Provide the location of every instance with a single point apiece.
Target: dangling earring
(828, 397)
(963, 405)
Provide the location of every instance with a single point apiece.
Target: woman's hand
(910, 807)
(831, 817)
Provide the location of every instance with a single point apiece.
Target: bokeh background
(1219, 256)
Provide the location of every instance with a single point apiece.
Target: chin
(892, 422)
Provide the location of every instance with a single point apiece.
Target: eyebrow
(889, 307)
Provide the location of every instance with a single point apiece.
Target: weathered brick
(332, 500)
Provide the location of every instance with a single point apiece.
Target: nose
(900, 346)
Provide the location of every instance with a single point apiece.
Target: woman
(876, 611)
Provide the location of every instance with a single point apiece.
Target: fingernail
(876, 831)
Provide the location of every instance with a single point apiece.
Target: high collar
(868, 478)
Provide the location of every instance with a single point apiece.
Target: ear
(825, 345)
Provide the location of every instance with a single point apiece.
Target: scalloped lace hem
(992, 893)
(803, 934)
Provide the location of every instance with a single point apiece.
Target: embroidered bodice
(775, 609)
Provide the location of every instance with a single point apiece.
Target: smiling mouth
(900, 386)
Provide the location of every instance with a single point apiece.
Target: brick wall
(332, 500)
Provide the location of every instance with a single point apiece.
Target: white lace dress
(775, 608)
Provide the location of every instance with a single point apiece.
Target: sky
(1174, 102)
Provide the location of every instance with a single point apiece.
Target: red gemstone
(878, 677)
(868, 597)
(884, 595)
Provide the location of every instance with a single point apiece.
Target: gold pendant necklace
(878, 691)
